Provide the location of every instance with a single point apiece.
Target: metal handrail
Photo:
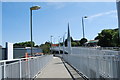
(24, 67)
(93, 62)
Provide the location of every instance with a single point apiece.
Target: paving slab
(55, 69)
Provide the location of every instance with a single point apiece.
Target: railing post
(111, 68)
(97, 67)
(29, 67)
(88, 56)
(4, 70)
(20, 69)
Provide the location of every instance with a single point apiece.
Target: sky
(53, 18)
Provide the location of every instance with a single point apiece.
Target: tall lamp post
(32, 8)
(51, 43)
(83, 25)
(59, 43)
(118, 13)
(64, 43)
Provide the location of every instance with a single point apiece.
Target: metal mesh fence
(24, 67)
(95, 63)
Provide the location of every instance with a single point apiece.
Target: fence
(23, 68)
(95, 63)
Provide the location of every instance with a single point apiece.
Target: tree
(24, 44)
(82, 41)
(46, 47)
(108, 38)
(66, 41)
(116, 40)
(36, 46)
(105, 38)
(74, 44)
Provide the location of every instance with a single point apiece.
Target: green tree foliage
(66, 41)
(24, 44)
(46, 47)
(82, 41)
(116, 39)
(36, 46)
(108, 38)
(74, 44)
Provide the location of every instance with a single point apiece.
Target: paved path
(55, 69)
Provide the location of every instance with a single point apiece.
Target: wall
(2, 53)
(17, 52)
(20, 52)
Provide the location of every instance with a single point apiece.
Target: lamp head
(35, 7)
(85, 17)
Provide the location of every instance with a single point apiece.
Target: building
(91, 43)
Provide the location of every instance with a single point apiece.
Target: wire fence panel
(0, 72)
(10, 73)
(24, 67)
(94, 63)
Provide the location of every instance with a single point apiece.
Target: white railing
(94, 63)
(24, 67)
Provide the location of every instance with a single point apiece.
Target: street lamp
(83, 25)
(32, 8)
(51, 43)
(118, 13)
(64, 43)
(59, 43)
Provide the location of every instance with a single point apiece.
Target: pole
(59, 43)
(31, 30)
(69, 41)
(63, 45)
(83, 27)
(118, 12)
(51, 44)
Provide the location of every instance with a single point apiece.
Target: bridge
(73, 63)
(93, 62)
(42, 67)
(90, 63)
(80, 63)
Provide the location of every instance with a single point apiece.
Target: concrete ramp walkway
(55, 69)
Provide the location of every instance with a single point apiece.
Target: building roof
(92, 41)
(55, 45)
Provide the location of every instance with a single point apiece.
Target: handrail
(23, 67)
(18, 59)
(94, 62)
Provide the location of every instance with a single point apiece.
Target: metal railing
(94, 63)
(24, 67)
